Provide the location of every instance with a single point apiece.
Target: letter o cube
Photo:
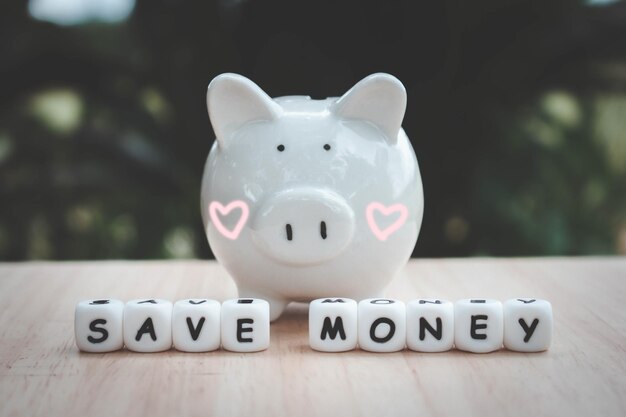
(148, 325)
(527, 324)
(245, 325)
(98, 325)
(478, 325)
(382, 325)
(196, 325)
(430, 325)
(333, 324)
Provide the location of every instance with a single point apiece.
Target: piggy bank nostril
(289, 231)
(323, 229)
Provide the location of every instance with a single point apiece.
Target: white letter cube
(382, 325)
(430, 325)
(98, 325)
(478, 325)
(148, 325)
(196, 325)
(527, 324)
(245, 325)
(333, 324)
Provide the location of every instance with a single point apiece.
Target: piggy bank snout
(303, 226)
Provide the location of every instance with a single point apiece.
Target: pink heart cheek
(221, 215)
(384, 221)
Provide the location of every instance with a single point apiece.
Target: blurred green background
(517, 113)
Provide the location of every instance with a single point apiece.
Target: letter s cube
(98, 325)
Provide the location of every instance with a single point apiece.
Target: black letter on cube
(93, 327)
(475, 326)
(425, 325)
(376, 323)
(194, 332)
(429, 302)
(529, 330)
(330, 329)
(382, 301)
(241, 330)
(146, 327)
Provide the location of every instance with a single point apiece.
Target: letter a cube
(148, 325)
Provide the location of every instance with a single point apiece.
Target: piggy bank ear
(233, 100)
(380, 99)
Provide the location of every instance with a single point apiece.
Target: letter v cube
(333, 324)
(196, 325)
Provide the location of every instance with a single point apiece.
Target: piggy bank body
(303, 198)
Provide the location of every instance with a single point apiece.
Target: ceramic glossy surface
(302, 198)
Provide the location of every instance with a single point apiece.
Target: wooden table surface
(42, 373)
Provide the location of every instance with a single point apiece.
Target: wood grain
(584, 373)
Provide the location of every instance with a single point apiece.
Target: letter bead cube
(148, 325)
(98, 325)
(430, 325)
(382, 325)
(196, 325)
(527, 324)
(478, 325)
(333, 324)
(245, 325)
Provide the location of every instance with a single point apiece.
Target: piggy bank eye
(280, 148)
(327, 147)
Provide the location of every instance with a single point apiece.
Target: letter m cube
(333, 324)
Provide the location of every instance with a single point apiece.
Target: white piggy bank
(303, 198)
